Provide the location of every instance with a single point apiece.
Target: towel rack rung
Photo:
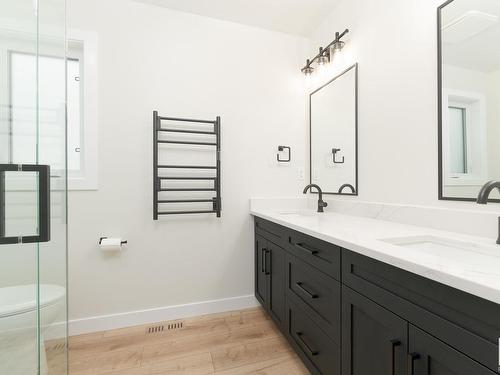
(185, 131)
(186, 120)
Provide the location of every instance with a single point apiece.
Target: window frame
(87, 42)
(465, 117)
(476, 156)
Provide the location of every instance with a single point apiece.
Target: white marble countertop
(474, 271)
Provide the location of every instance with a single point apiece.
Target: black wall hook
(281, 149)
(334, 152)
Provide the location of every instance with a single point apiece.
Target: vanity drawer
(319, 292)
(320, 254)
(320, 353)
(270, 230)
(468, 323)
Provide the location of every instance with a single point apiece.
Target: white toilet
(18, 322)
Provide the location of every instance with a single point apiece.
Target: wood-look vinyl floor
(236, 343)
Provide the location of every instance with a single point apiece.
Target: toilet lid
(21, 299)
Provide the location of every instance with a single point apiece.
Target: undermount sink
(440, 245)
(298, 212)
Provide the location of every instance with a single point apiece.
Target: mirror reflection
(470, 97)
(333, 115)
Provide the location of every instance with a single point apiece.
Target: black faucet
(321, 203)
(482, 198)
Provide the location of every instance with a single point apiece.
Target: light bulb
(308, 69)
(338, 46)
(323, 60)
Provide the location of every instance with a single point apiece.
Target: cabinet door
(276, 291)
(374, 340)
(261, 270)
(430, 356)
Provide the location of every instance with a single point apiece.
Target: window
(464, 134)
(75, 120)
(51, 132)
(81, 107)
(458, 140)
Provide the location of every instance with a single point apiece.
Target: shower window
(22, 143)
(81, 111)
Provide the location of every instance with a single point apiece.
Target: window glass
(458, 140)
(52, 109)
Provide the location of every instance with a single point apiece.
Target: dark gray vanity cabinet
(378, 342)
(313, 310)
(373, 338)
(465, 323)
(270, 278)
(261, 274)
(316, 348)
(430, 356)
(345, 313)
(276, 282)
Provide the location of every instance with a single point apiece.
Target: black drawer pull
(394, 343)
(266, 263)
(312, 352)
(309, 294)
(304, 248)
(263, 260)
(412, 357)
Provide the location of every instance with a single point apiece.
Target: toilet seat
(21, 299)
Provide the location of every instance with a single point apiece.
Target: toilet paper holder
(102, 238)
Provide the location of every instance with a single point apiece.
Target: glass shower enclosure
(33, 188)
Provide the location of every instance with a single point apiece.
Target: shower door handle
(43, 172)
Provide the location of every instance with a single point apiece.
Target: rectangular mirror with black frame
(334, 134)
(469, 97)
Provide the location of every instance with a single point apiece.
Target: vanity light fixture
(308, 69)
(325, 54)
(338, 45)
(324, 58)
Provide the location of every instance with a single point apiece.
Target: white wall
(493, 93)
(153, 58)
(394, 42)
(182, 65)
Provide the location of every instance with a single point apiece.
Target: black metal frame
(355, 67)
(441, 195)
(157, 187)
(43, 172)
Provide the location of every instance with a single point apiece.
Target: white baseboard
(133, 318)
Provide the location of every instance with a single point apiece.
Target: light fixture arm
(326, 50)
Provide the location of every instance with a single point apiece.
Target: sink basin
(298, 212)
(442, 246)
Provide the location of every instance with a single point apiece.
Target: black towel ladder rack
(158, 178)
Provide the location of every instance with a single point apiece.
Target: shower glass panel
(33, 193)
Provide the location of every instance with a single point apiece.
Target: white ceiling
(477, 52)
(299, 17)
